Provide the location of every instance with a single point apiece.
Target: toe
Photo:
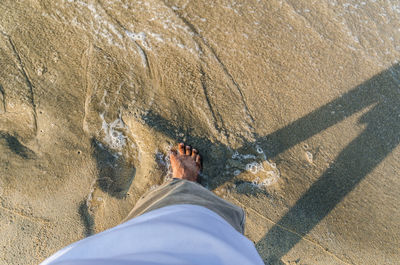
(188, 150)
(181, 148)
(194, 153)
(198, 161)
(172, 156)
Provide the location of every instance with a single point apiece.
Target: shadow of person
(355, 161)
(381, 94)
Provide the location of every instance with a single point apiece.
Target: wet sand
(293, 105)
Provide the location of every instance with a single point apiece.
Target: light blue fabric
(177, 234)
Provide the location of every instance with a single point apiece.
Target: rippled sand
(293, 104)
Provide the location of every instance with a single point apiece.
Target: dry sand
(293, 104)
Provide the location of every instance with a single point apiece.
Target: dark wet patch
(16, 146)
(3, 109)
(86, 218)
(115, 173)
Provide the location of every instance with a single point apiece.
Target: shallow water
(278, 96)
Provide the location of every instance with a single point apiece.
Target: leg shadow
(380, 137)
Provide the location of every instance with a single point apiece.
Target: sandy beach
(294, 106)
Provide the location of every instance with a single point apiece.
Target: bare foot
(186, 163)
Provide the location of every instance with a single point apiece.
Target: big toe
(181, 148)
(173, 156)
